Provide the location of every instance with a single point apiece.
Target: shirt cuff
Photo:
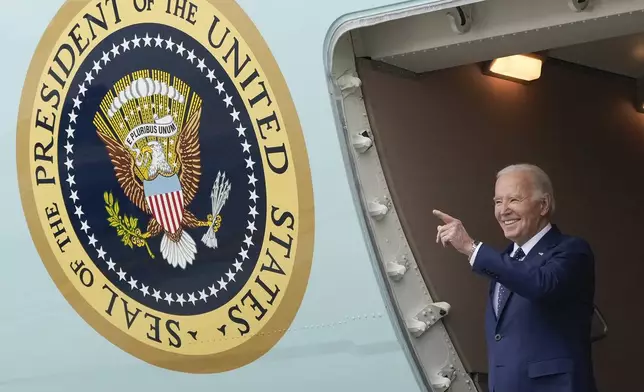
(473, 256)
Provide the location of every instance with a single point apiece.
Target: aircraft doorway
(440, 128)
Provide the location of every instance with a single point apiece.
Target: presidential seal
(165, 180)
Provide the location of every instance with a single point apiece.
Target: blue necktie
(503, 292)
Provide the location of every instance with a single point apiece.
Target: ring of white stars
(135, 284)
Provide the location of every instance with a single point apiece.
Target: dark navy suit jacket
(541, 339)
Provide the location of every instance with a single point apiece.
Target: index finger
(443, 216)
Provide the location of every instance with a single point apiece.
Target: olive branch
(126, 226)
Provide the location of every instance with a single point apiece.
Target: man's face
(517, 211)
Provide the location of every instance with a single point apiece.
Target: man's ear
(546, 204)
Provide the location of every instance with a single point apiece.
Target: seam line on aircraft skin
(347, 320)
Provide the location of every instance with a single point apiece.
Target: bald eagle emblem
(149, 123)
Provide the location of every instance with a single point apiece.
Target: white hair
(540, 180)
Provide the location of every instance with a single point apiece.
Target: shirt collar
(527, 247)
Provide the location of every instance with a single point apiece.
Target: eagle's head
(158, 163)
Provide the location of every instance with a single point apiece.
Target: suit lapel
(548, 241)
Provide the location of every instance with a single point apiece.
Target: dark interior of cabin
(443, 135)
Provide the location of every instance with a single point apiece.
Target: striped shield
(165, 199)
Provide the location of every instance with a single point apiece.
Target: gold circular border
(259, 344)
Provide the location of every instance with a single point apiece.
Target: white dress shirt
(527, 247)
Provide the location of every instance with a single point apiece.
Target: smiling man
(540, 305)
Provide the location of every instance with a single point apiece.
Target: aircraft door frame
(417, 318)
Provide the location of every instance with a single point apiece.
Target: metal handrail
(601, 319)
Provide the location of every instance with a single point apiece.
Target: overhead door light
(521, 68)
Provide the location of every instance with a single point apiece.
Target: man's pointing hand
(454, 233)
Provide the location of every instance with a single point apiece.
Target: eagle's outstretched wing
(188, 154)
(124, 169)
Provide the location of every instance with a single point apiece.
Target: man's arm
(558, 277)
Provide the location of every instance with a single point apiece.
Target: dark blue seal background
(220, 150)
